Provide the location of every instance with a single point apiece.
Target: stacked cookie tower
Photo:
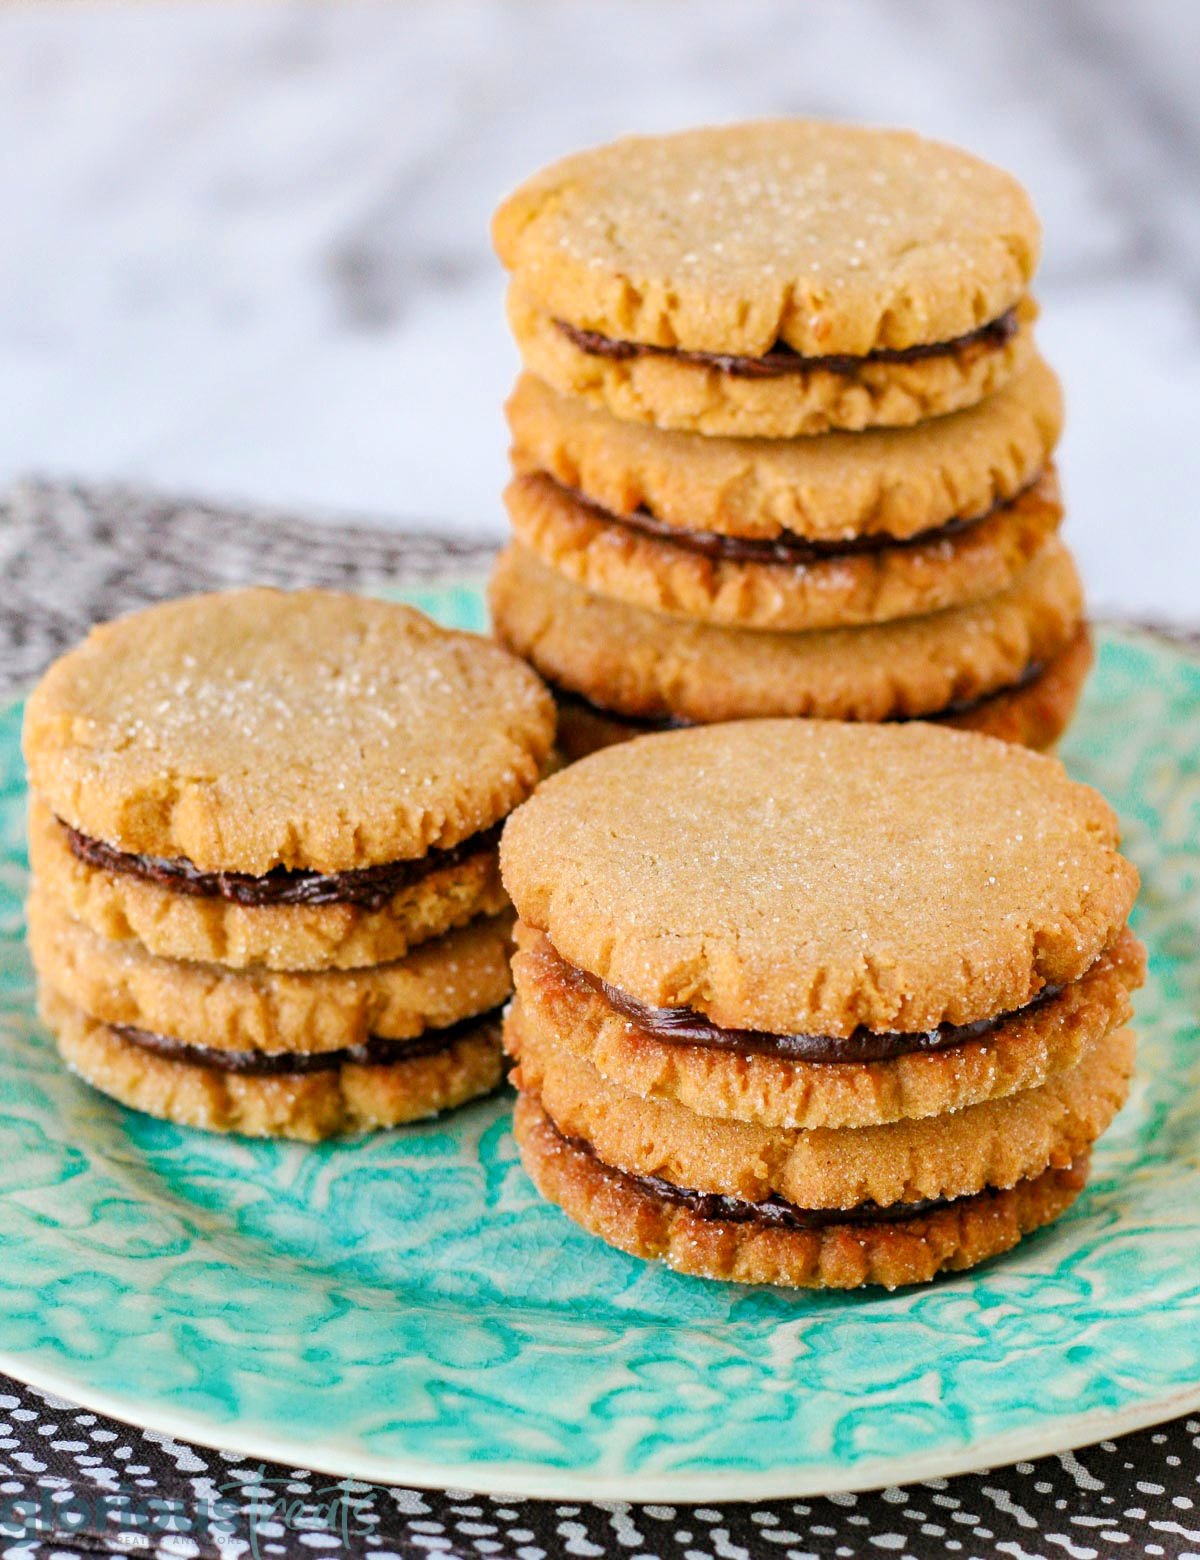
(783, 446)
(264, 832)
(817, 1004)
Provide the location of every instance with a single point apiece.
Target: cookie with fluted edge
(350, 1099)
(995, 1143)
(1025, 1050)
(250, 730)
(1035, 713)
(826, 488)
(808, 397)
(213, 930)
(810, 877)
(440, 983)
(829, 238)
(624, 1212)
(642, 664)
(671, 574)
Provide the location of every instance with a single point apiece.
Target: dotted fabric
(74, 1484)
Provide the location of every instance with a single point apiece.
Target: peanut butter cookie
(788, 1081)
(694, 394)
(440, 983)
(631, 662)
(993, 1144)
(259, 731)
(811, 877)
(714, 1238)
(213, 929)
(1034, 712)
(346, 1096)
(825, 238)
(780, 585)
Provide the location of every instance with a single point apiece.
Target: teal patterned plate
(406, 1310)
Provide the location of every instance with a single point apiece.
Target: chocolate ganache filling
(782, 359)
(774, 1211)
(375, 1051)
(368, 888)
(684, 1026)
(787, 547)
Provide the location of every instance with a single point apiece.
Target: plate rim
(518, 1478)
(531, 1481)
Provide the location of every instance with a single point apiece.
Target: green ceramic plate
(405, 1309)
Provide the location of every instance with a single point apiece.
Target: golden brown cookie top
(253, 729)
(805, 876)
(829, 238)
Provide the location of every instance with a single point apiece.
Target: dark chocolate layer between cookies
(686, 1026)
(369, 888)
(841, 1255)
(788, 548)
(376, 1051)
(782, 359)
(773, 1212)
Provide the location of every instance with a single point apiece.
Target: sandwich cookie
(790, 585)
(1012, 664)
(862, 1021)
(303, 780)
(788, 534)
(886, 485)
(289, 919)
(253, 1016)
(780, 395)
(772, 279)
(712, 1237)
(785, 1081)
(326, 1094)
(263, 830)
(784, 445)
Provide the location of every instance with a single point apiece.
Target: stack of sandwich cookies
(263, 832)
(772, 279)
(782, 401)
(862, 1023)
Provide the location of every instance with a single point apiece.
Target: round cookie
(438, 984)
(643, 664)
(829, 238)
(1033, 713)
(173, 925)
(613, 558)
(1033, 1046)
(309, 1106)
(622, 1212)
(827, 488)
(252, 730)
(993, 1144)
(821, 875)
(678, 393)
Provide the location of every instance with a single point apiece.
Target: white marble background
(244, 248)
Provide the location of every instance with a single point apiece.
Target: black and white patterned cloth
(73, 1483)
